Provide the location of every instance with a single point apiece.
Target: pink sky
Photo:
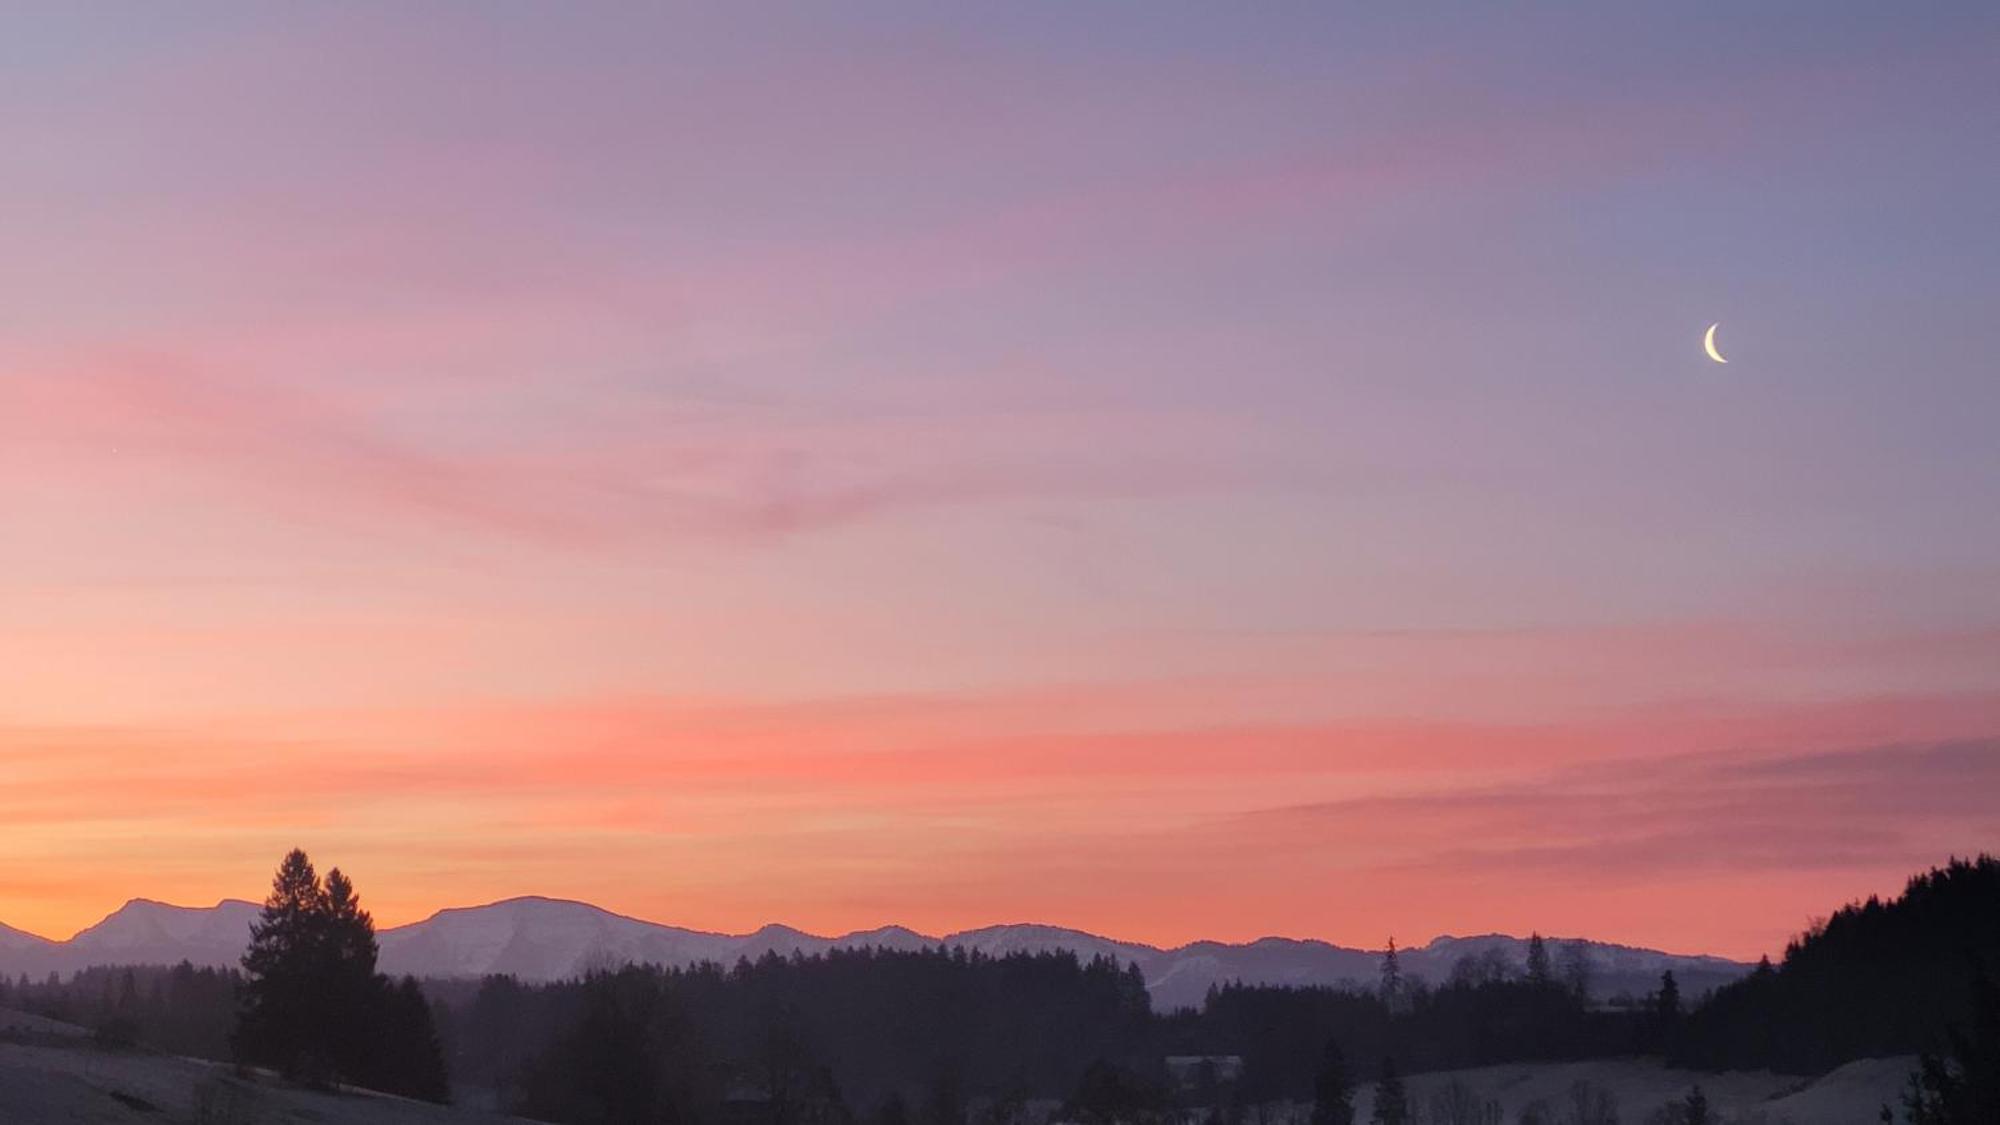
(1203, 479)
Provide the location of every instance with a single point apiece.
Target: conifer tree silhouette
(313, 1006)
(1333, 1102)
(1392, 1102)
(282, 1018)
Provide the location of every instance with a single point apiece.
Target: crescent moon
(1708, 343)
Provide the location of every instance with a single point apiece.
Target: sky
(1178, 471)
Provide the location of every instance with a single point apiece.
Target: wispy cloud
(1711, 811)
(747, 474)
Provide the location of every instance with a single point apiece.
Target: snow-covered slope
(540, 939)
(147, 932)
(46, 1079)
(1851, 1095)
(141, 932)
(1182, 977)
(998, 941)
(888, 937)
(548, 939)
(1614, 969)
(13, 941)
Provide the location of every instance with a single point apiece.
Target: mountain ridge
(538, 938)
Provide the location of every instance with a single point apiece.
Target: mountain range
(542, 939)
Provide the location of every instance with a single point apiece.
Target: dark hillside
(1877, 978)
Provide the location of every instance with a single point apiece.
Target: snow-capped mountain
(1182, 976)
(900, 938)
(998, 941)
(1613, 969)
(541, 939)
(143, 931)
(549, 939)
(14, 942)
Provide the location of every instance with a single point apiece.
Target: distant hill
(541, 939)
(1615, 970)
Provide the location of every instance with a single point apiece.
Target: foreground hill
(541, 939)
(1853, 1094)
(51, 1072)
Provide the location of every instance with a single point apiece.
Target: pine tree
(1962, 1087)
(345, 971)
(1576, 970)
(1667, 1009)
(1392, 1102)
(313, 1005)
(282, 1022)
(416, 1057)
(1694, 1109)
(1539, 972)
(1333, 1102)
(1392, 978)
(350, 930)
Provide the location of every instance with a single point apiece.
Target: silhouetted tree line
(308, 1001)
(917, 1038)
(181, 1010)
(1491, 1010)
(1877, 978)
(312, 1004)
(804, 1039)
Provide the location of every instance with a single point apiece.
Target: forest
(1875, 978)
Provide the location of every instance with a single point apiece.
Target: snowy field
(1851, 1095)
(49, 1072)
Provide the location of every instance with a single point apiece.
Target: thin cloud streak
(1836, 808)
(744, 479)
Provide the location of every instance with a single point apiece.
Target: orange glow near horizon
(845, 817)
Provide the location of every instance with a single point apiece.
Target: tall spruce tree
(1540, 973)
(1392, 1101)
(1576, 970)
(1694, 1109)
(1333, 1100)
(413, 1062)
(281, 1023)
(1667, 1010)
(352, 999)
(1392, 979)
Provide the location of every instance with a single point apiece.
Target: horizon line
(942, 940)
